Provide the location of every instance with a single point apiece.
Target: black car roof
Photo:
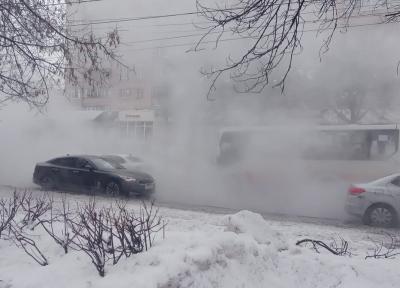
(87, 157)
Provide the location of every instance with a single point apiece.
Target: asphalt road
(346, 221)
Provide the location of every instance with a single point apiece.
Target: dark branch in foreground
(334, 248)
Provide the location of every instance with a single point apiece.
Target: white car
(377, 202)
(128, 161)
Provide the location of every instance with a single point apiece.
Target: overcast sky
(373, 47)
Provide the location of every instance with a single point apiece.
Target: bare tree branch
(38, 51)
(271, 32)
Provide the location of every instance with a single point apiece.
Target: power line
(197, 29)
(248, 37)
(167, 38)
(73, 2)
(57, 3)
(132, 43)
(216, 32)
(134, 19)
(129, 19)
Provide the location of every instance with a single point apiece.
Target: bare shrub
(62, 235)
(131, 233)
(22, 240)
(91, 238)
(34, 208)
(124, 233)
(105, 234)
(151, 223)
(8, 211)
(23, 212)
(108, 234)
(386, 250)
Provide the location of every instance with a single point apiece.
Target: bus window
(320, 143)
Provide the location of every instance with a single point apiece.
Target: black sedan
(92, 173)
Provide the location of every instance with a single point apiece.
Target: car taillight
(353, 190)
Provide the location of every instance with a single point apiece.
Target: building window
(125, 92)
(76, 93)
(95, 92)
(148, 129)
(139, 93)
(137, 129)
(94, 108)
(103, 93)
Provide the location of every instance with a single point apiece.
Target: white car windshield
(105, 165)
(384, 180)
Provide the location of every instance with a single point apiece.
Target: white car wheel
(381, 215)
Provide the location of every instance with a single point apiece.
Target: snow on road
(213, 250)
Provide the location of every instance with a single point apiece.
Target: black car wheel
(380, 215)
(48, 182)
(147, 197)
(113, 189)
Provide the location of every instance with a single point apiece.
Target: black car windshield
(105, 165)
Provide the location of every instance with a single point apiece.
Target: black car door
(61, 170)
(70, 172)
(83, 176)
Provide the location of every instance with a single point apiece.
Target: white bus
(347, 152)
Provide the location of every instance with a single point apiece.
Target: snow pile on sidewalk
(203, 250)
(246, 222)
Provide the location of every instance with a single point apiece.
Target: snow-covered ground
(213, 250)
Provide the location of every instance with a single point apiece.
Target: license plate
(149, 186)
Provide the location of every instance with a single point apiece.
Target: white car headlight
(128, 179)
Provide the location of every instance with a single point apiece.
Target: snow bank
(203, 250)
(253, 224)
